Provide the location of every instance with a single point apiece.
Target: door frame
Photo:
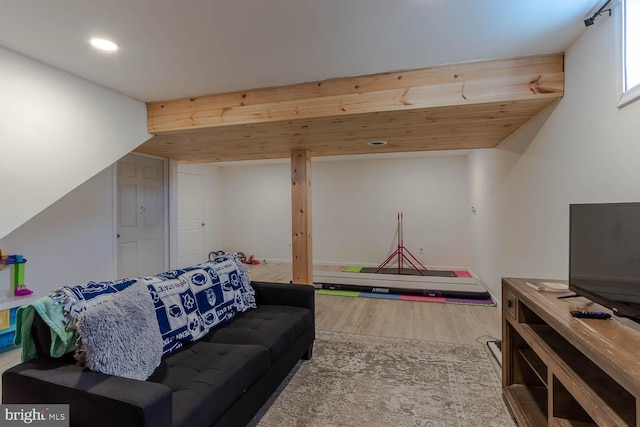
(174, 250)
(165, 210)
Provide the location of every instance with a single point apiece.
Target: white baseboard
(497, 353)
(274, 261)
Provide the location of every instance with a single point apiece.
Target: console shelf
(563, 371)
(538, 366)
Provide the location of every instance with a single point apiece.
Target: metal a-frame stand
(400, 253)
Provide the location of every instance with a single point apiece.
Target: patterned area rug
(357, 380)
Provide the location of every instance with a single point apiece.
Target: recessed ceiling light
(104, 44)
(377, 143)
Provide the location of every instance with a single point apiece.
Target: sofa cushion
(121, 336)
(275, 327)
(207, 378)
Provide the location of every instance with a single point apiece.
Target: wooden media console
(563, 371)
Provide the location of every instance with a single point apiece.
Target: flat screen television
(604, 255)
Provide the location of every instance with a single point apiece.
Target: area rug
(358, 380)
(489, 302)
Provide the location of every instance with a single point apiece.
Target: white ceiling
(182, 48)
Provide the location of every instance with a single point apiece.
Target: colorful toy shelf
(8, 308)
(8, 301)
(7, 328)
(10, 260)
(16, 296)
(17, 263)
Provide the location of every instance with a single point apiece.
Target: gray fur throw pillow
(121, 336)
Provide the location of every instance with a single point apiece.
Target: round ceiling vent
(377, 143)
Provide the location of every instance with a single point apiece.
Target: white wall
(256, 210)
(354, 205)
(57, 131)
(70, 242)
(585, 151)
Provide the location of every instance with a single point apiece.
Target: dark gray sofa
(221, 380)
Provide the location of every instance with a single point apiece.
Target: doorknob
(203, 224)
(118, 236)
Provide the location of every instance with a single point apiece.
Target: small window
(631, 51)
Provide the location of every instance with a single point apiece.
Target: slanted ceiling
(459, 106)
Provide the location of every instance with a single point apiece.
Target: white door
(141, 216)
(191, 224)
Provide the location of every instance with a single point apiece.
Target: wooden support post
(301, 217)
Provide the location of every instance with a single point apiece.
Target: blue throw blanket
(76, 299)
(188, 302)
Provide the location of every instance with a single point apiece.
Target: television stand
(562, 371)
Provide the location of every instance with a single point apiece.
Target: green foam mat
(338, 293)
(353, 268)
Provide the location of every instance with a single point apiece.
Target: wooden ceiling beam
(460, 106)
(472, 83)
(551, 63)
(468, 127)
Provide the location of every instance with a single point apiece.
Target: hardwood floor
(452, 323)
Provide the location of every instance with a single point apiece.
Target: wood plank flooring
(450, 323)
(453, 323)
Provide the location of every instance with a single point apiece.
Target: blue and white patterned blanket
(189, 302)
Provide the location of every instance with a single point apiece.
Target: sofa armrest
(285, 294)
(95, 399)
